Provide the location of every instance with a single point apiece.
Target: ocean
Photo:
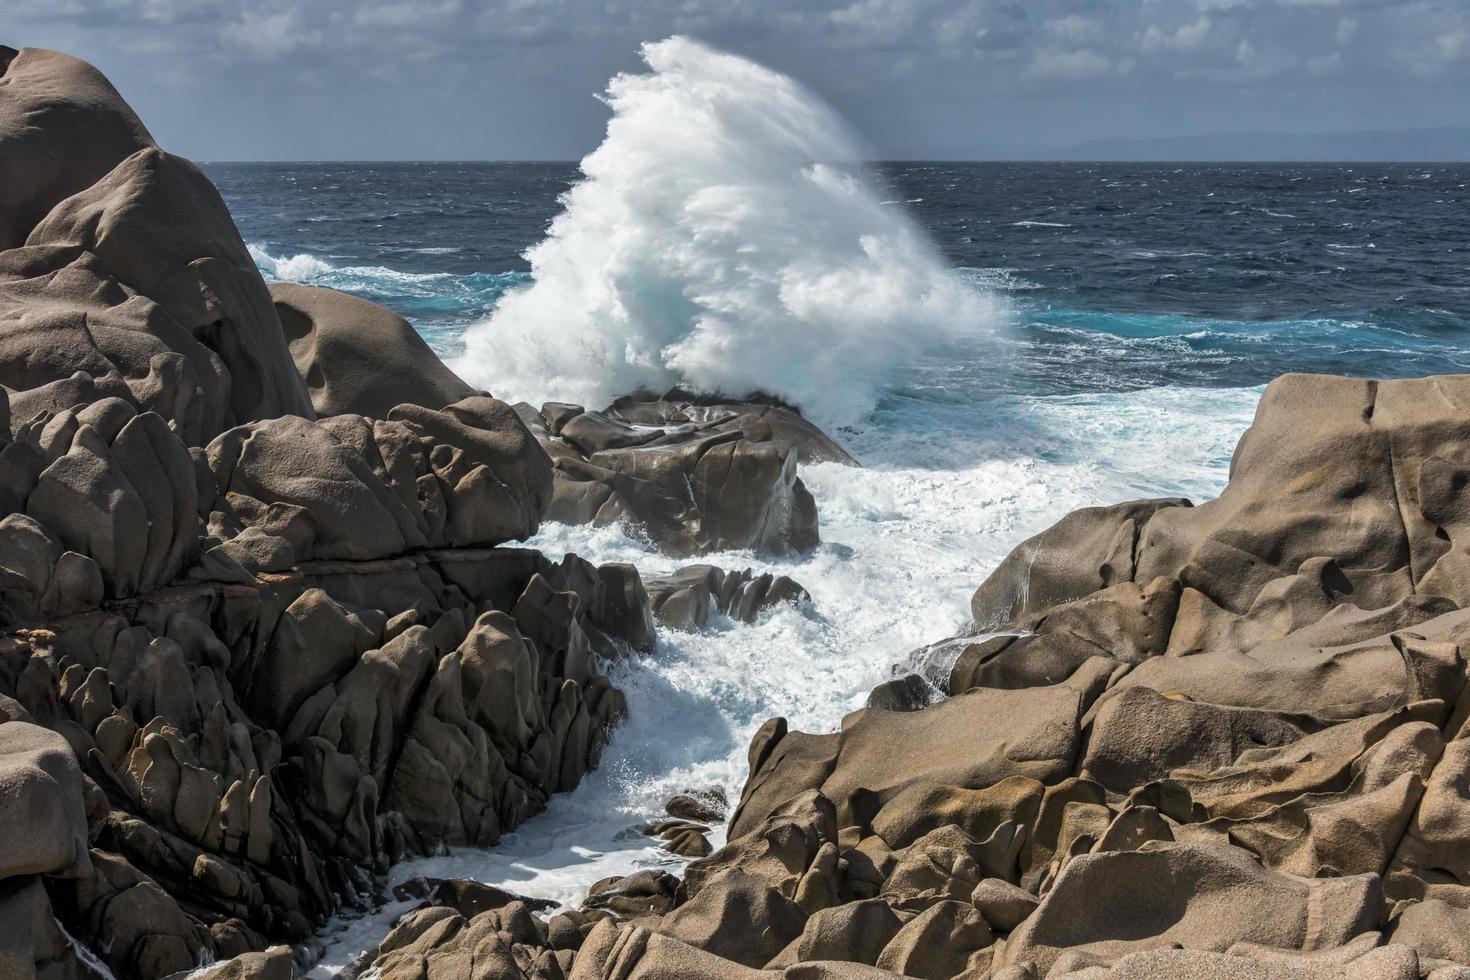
(1080, 334)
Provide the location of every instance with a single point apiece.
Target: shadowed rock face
(692, 477)
(688, 598)
(248, 657)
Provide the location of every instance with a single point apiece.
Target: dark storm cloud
(514, 78)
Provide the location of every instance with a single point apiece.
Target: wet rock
(909, 692)
(638, 894)
(689, 842)
(468, 898)
(715, 481)
(787, 426)
(689, 597)
(707, 805)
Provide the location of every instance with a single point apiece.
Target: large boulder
(357, 357)
(41, 804)
(161, 229)
(788, 427)
(1370, 474)
(124, 275)
(348, 487)
(62, 128)
(712, 481)
(1200, 896)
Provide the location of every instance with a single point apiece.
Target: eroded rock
(715, 478)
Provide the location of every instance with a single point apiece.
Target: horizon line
(529, 161)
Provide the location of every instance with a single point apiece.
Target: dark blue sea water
(1124, 275)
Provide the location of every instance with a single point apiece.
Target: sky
(519, 79)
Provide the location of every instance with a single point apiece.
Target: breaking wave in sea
(721, 238)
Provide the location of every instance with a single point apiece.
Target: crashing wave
(721, 239)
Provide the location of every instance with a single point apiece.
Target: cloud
(1072, 66)
(1184, 38)
(930, 65)
(267, 36)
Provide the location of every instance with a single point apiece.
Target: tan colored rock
(1202, 896)
(163, 231)
(41, 804)
(937, 943)
(357, 357)
(62, 128)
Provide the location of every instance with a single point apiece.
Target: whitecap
(295, 268)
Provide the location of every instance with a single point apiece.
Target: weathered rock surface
(358, 358)
(63, 127)
(693, 477)
(248, 657)
(1217, 741)
(688, 598)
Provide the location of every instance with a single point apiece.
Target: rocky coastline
(265, 630)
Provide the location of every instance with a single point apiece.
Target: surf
(723, 237)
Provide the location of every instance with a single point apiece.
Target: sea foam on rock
(250, 657)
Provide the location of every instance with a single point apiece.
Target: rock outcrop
(1228, 740)
(358, 358)
(249, 657)
(693, 477)
(688, 598)
(121, 273)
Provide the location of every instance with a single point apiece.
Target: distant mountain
(1441, 145)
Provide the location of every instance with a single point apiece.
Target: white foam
(949, 487)
(295, 268)
(719, 239)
